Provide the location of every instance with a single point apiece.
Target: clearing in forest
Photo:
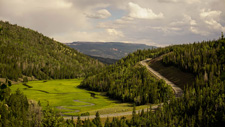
(69, 99)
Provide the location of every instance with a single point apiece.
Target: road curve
(177, 91)
(113, 114)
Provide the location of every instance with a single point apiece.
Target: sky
(152, 22)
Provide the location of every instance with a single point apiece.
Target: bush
(25, 79)
(85, 114)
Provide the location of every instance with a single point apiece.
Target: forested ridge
(205, 59)
(202, 104)
(25, 52)
(129, 81)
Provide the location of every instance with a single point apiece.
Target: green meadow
(66, 97)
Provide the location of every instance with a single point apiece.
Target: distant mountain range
(112, 50)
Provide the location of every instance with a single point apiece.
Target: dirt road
(112, 114)
(177, 90)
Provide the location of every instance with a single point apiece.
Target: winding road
(177, 91)
(112, 114)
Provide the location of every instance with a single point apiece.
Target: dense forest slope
(179, 77)
(25, 52)
(129, 81)
(202, 103)
(105, 60)
(204, 59)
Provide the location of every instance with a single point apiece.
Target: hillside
(202, 103)
(112, 50)
(27, 53)
(172, 73)
(129, 81)
(105, 60)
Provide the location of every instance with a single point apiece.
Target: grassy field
(69, 99)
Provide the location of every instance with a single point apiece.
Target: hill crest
(27, 53)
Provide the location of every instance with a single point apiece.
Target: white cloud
(190, 20)
(192, 1)
(193, 22)
(208, 14)
(110, 25)
(211, 18)
(27, 6)
(108, 35)
(49, 17)
(215, 25)
(114, 32)
(118, 23)
(143, 13)
(125, 19)
(61, 4)
(197, 31)
(100, 14)
(187, 20)
(167, 30)
(169, 1)
(180, 1)
(187, 23)
(193, 26)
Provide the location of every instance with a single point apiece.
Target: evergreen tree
(97, 120)
(107, 123)
(79, 122)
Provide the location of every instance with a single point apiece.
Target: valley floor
(71, 100)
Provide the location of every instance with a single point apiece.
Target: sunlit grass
(69, 99)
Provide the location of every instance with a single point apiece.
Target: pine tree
(222, 36)
(200, 113)
(79, 122)
(107, 123)
(134, 114)
(97, 120)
